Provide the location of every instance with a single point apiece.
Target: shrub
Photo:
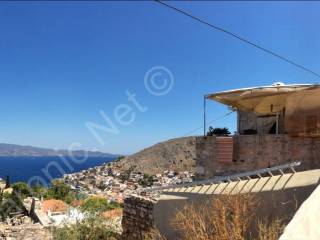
(38, 191)
(22, 189)
(119, 158)
(92, 228)
(270, 231)
(98, 205)
(124, 176)
(10, 203)
(147, 180)
(61, 191)
(218, 131)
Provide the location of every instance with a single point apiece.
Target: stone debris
(25, 232)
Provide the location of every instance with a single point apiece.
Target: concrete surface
(305, 223)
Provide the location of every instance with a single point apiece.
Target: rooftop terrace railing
(235, 177)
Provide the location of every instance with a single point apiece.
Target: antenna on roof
(278, 84)
(204, 115)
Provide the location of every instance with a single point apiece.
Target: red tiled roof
(113, 213)
(54, 205)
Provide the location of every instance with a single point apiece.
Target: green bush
(38, 191)
(147, 181)
(22, 189)
(98, 205)
(60, 190)
(218, 131)
(118, 158)
(10, 203)
(124, 176)
(92, 228)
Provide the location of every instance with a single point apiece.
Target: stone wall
(205, 156)
(257, 151)
(137, 220)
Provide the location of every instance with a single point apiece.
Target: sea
(41, 170)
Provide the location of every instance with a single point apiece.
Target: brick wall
(257, 151)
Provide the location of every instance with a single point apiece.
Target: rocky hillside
(177, 154)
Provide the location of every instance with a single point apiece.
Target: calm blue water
(43, 169)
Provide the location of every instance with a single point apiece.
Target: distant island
(13, 150)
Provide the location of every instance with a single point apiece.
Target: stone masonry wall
(205, 156)
(137, 220)
(257, 151)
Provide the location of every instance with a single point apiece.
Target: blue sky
(62, 63)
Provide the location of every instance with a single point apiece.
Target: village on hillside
(115, 184)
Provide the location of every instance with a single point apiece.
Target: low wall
(279, 196)
(257, 151)
(137, 219)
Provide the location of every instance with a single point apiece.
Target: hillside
(13, 150)
(176, 154)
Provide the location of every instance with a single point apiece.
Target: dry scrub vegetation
(228, 217)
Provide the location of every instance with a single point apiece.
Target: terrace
(276, 124)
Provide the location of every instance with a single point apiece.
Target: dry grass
(154, 235)
(227, 217)
(270, 231)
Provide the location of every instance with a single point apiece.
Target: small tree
(22, 189)
(124, 176)
(218, 131)
(147, 180)
(7, 182)
(119, 158)
(60, 190)
(98, 205)
(38, 190)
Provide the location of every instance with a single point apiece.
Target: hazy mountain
(11, 150)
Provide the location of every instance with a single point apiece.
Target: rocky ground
(26, 231)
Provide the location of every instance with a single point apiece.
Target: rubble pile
(27, 231)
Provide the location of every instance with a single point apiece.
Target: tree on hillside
(38, 190)
(98, 205)
(147, 180)
(119, 158)
(22, 189)
(124, 176)
(7, 182)
(61, 191)
(218, 131)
